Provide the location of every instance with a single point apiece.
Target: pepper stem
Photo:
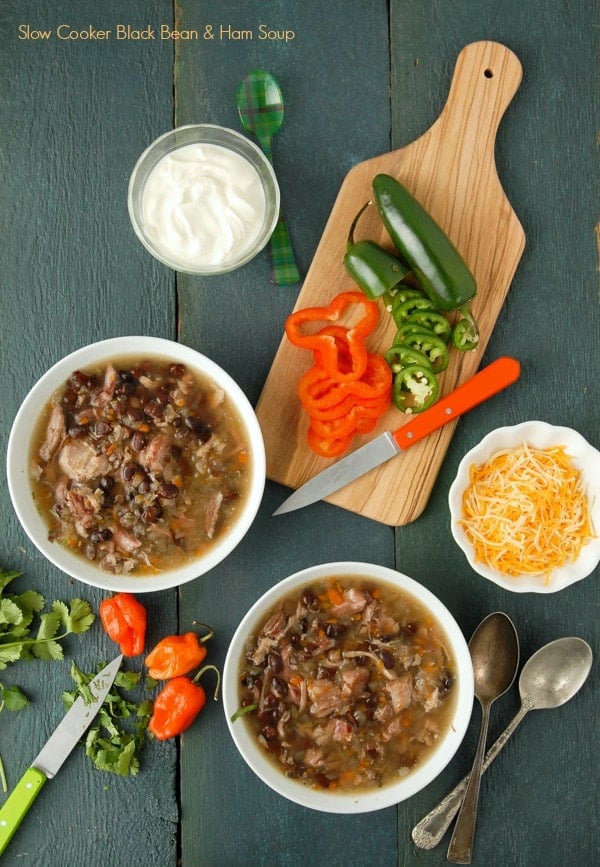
(355, 222)
(204, 668)
(209, 634)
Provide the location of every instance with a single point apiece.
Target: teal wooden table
(75, 112)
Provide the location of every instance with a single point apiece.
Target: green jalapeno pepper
(415, 388)
(374, 269)
(402, 309)
(465, 335)
(400, 355)
(431, 320)
(398, 294)
(436, 263)
(432, 346)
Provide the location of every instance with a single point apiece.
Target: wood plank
(451, 170)
(538, 801)
(74, 116)
(229, 817)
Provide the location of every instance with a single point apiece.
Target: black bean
(124, 389)
(445, 683)
(167, 491)
(126, 376)
(275, 662)
(202, 430)
(279, 687)
(107, 483)
(177, 370)
(387, 658)
(76, 430)
(102, 429)
(334, 630)
(152, 512)
(154, 410)
(308, 597)
(138, 441)
(129, 470)
(135, 415)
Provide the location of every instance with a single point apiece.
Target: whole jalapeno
(374, 269)
(439, 269)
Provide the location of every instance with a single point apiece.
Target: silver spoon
(494, 648)
(550, 678)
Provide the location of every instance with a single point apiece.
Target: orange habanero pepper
(176, 655)
(124, 620)
(178, 704)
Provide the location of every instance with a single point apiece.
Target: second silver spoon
(550, 678)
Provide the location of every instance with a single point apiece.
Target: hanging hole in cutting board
(488, 73)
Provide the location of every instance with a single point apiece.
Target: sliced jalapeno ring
(430, 345)
(465, 335)
(399, 355)
(402, 309)
(415, 388)
(431, 320)
(398, 294)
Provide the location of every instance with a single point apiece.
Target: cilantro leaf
(13, 698)
(116, 740)
(6, 578)
(10, 613)
(80, 617)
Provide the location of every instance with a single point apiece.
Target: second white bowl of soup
(348, 687)
(136, 463)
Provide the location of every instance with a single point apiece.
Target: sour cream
(203, 205)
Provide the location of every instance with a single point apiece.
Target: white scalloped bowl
(18, 464)
(537, 434)
(360, 801)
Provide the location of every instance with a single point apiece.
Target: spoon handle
(284, 271)
(461, 843)
(429, 831)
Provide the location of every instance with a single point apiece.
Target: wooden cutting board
(451, 170)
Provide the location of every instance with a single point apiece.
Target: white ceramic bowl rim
(538, 434)
(18, 457)
(367, 801)
(211, 134)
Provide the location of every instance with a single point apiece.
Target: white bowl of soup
(136, 463)
(348, 687)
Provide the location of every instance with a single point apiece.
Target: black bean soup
(139, 464)
(348, 684)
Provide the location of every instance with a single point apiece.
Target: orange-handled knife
(485, 384)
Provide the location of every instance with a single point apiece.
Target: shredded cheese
(526, 511)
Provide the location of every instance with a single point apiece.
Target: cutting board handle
(486, 77)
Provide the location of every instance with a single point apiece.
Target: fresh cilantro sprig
(27, 632)
(115, 741)
(19, 640)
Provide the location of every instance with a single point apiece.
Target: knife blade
(486, 383)
(57, 748)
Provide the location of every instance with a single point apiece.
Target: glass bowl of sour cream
(203, 199)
